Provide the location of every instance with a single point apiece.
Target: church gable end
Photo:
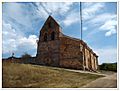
(50, 30)
(48, 44)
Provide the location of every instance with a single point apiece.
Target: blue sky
(23, 21)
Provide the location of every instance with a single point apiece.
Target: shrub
(108, 67)
(26, 56)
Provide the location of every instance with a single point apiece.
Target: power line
(49, 13)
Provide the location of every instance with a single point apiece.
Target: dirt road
(109, 81)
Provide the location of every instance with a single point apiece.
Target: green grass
(26, 75)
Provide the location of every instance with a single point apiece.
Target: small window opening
(45, 37)
(53, 36)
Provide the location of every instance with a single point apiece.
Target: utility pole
(81, 47)
(81, 19)
(80, 6)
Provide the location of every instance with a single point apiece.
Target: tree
(108, 67)
(26, 56)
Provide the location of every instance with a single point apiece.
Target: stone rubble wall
(70, 55)
(48, 53)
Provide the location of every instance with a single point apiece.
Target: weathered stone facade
(57, 49)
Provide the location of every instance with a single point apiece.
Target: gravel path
(81, 71)
(110, 81)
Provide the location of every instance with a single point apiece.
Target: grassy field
(26, 75)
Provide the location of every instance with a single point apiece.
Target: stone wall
(86, 58)
(30, 60)
(90, 59)
(70, 54)
(48, 50)
(13, 60)
(66, 52)
(48, 53)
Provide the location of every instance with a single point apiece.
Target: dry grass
(26, 75)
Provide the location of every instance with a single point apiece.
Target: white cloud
(107, 55)
(21, 16)
(98, 20)
(54, 8)
(41, 12)
(91, 9)
(15, 42)
(16, 12)
(87, 4)
(85, 28)
(110, 27)
(104, 22)
(111, 32)
(28, 43)
(101, 18)
(71, 18)
(58, 9)
(9, 36)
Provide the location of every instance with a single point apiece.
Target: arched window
(52, 35)
(45, 37)
(49, 24)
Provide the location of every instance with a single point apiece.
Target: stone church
(56, 49)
